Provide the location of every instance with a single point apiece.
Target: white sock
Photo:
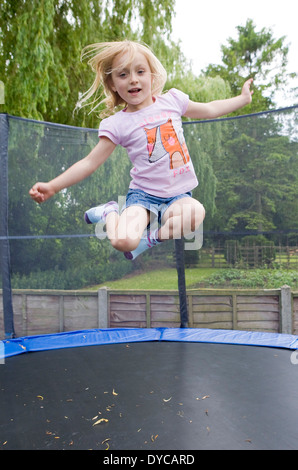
(149, 241)
(99, 213)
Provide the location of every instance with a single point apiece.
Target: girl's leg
(125, 231)
(182, 218)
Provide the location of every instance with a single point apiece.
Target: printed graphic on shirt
(164, 141)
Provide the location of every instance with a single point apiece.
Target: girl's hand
(246, 91)
(40, 192)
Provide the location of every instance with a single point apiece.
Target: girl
(149, 126)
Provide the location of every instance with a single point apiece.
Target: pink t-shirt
(154, 140)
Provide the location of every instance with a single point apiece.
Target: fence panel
(45, 312)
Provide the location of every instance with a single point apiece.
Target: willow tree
(41, 43)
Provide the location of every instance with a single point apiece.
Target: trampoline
(151, 390)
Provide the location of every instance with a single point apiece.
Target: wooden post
(102, 307)
(286, 319)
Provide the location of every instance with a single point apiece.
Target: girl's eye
(122, 75)
(140, 72)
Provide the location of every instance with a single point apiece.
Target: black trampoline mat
(150, 396)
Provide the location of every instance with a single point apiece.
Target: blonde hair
(101, 57)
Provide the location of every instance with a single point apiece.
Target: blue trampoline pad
(94, 337)
(150, 390)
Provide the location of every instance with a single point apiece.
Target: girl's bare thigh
(182, 217)
(125, 231)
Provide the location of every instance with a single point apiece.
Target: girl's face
(133, 82)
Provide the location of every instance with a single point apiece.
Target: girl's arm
(218, 108)
(40, 192)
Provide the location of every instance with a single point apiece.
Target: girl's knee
(124, 244)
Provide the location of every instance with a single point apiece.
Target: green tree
(40, 65)
(257, 175)
(257, 168)
(43, 75)
(255, 54)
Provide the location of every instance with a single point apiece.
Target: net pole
(180, 266)
(4, 242)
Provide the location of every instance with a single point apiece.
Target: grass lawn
(164, 279)
(167, 279)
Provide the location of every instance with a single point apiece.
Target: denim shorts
(154, 204)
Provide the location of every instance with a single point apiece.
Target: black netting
(245, 165)
(51, 245)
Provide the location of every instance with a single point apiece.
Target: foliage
(247, 168)
(264, 173)
(257, 173)
(41, 67)
(255, 54)
(252, 279)
(76, 276)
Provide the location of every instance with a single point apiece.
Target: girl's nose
(133, 77)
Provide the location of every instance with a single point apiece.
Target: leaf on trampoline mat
(102, 420)
(106, 443)
(106, 440)
(114, 393)
(166, 400)
(40, 397)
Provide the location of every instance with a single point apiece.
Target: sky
(203, 26)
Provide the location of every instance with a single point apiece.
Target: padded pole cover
(4, 242)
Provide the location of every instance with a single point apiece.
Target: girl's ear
(111, 84)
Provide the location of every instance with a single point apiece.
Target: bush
(253, 279)
(71, 279)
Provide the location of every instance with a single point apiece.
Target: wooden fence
(245, 257)
(44, 312)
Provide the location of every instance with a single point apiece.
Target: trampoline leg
(179, 250)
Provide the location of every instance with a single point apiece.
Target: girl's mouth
(134, 91)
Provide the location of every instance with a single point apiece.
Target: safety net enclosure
(49, 246)
(148, 388)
